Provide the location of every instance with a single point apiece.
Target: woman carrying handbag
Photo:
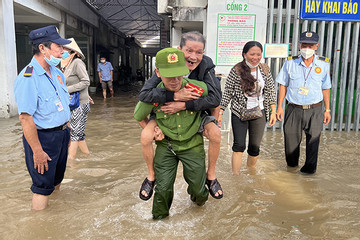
(77, 81)
(250, 88)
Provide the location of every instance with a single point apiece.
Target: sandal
(148, 187)
(214, 187)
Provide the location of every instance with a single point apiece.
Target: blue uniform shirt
(105, 70)
(293, 75)
(36, 96)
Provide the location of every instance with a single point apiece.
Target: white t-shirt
(252, 101)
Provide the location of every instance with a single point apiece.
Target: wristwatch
(327, 110)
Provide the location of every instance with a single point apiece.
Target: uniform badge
(60, 79)
(194, 88)
(173, 58)
(29, 71)
(318, 70)
(309, 34)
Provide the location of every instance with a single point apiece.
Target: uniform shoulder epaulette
(293, 57)
(29, 71)
(325, 59)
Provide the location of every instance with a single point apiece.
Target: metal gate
(338, 41)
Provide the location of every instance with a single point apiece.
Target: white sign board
(276, 50)
(230, 24)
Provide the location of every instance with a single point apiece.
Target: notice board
(230, 24)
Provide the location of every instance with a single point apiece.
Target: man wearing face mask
(105, 70)
(43, 105)
(305, 82)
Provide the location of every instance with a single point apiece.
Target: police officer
(182, 141)
(43, 105)
(305, 82)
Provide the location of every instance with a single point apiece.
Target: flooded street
(99, 195)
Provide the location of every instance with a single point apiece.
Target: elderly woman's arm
(83, 76)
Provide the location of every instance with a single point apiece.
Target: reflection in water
(99, 196)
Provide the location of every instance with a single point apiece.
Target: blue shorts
(55, 144)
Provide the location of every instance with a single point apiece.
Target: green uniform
(180, 130)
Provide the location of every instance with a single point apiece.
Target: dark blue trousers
(55, 144)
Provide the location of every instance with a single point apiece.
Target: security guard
(182, 140)
(305, 82)
(43, 105)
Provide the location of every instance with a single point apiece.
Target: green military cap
(171, 62)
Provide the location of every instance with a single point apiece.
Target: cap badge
(309, 34)
(173, 58)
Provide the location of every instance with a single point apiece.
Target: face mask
(53, 61)
(102, 61)
(307, 52)
(250, 65)
(65, 55)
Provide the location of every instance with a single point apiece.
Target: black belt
(306, 106)
(62, 127)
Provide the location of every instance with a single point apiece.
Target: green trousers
(165, 163)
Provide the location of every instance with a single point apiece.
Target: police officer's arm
(142, 110)
(281, 96)
(326, 96)
(326, 85)
(283, 79)
(30, 132)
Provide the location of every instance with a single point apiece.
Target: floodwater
(99, 195)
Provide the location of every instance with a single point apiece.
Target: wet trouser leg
(193, 161)
(165, 164)
(292, 134)
(296, 120)
(256, 130)
(312, 130)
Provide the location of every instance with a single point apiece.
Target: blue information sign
(330, 10)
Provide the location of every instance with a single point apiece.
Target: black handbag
(252, 113)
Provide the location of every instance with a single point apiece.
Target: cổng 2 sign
(330, 10)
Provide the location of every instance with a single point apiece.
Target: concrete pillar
(205, 24)
(176, 36)
(62, 25)
(8, 69)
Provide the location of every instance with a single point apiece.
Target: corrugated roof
(135, 18)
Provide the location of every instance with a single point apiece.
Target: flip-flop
(148, 187)
(214, 187)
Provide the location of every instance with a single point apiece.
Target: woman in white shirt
(249, 84)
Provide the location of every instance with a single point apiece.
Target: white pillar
(62, 25)
(8, 65)
(176, 36)
(205, 23)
